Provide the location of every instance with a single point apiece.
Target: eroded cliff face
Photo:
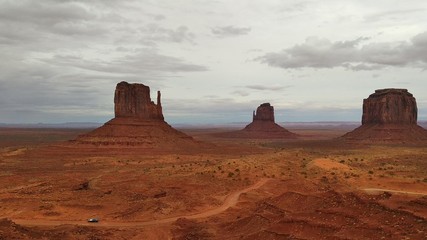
(390, 106)
(265, 112)
(133, 100)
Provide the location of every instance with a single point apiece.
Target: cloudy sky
(214, 61)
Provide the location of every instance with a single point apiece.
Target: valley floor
(315, 187)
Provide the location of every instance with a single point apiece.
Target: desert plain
(318, 186)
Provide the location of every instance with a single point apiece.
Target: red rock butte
(262, 126)
(138, 122)
(389, 115)
(133, 100)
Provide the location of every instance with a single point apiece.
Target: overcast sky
(213, 61)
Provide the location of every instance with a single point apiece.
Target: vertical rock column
(133, 100)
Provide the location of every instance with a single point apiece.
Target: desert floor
(316, 187)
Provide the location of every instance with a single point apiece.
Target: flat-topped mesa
(389, 115)
(265, 112)
(133, 100)
(390, 106)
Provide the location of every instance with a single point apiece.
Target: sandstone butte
(389, 115)
(262, 126)
(138, 122)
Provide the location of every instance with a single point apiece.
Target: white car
(93, 220)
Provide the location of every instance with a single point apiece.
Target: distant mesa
(389, 115)
(138, 122)
(262, 126)
(265, 112)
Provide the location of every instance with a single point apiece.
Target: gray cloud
(61, 59)
(66, 84)
(159, 17)
(64, 57)
(267, 87)
(154, 32)
(48, 25)
(353, 55)
(144, 61)
(230, 31)
(43, 12)
(240, 93)
(299, 6)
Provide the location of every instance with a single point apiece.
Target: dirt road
(230, 201)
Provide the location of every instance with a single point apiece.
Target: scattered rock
(82, 186)
(185, 229)
(160, 194)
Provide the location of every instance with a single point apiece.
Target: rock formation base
(261, 130)
(387, 133)
(134, 132)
